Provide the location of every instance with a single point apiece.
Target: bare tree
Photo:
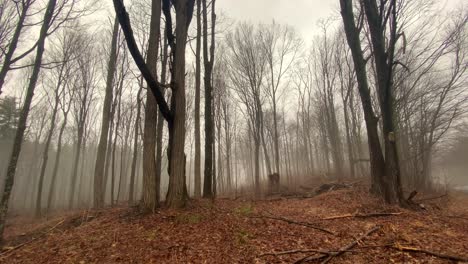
(85, 83)
(151, 181)
(99, 184)
(177, 193)
(208, 81)
(7, 14)
(352, 31)
(197, 186)
(65, 53)
(246, 70)
(281, 47)
(10, 175)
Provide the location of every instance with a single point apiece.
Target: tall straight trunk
(265, 149)
(177, 191)
(209, 129)
(83, 168)
(257, 165)
(45, 154)
(58, 155)
(384, 60)
(197, 105)
(123, 157)
(108, 154)
(11, 169)
(276, 136)
(337, 149)
(56, 164)
(150, 198)
(160, 128)
(220, 160)
(7, 61)
(348, 140)
(131, 192)
(113, 147)
(99, 176)
(74, 170)
(215, 174)
(228, 137)
(377, 161)
(114, 143)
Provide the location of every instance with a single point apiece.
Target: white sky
(303, 15)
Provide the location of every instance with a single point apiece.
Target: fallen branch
(432, 253)
(458, 216)
(342, 250)
(10, 250)
(431, 198)
(294, 251)
(289, 221)
(361, 215)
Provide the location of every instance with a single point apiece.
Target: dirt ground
(245, 231)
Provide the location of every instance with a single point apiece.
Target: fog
(285, 101)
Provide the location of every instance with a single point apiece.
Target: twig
(294, 251)
(295, 223)
(432, 253)
(431, 198)
(458, 216)
(6, 252)
(360, 215)
(341, 250)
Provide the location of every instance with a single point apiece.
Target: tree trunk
(384, 59)
(197, 105)
(45, 155)
(160, 128)
(99, 183)
(150, 198)
(209, 129)
(11, 169)
(56, 165)
(352, 35)
(131, 194)
(74, 171)
(177, 192)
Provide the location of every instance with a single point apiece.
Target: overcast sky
(302, 14)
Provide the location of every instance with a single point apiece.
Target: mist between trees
(213, 106)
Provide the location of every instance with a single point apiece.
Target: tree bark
(177, 192)
(45, 154)
(160, 128)
(131, 192)
(197, 105)
(352, 35)
(384, 60)
(11, 169)
(99, 183)
(150, 198)
(209, 126)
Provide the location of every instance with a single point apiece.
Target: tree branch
(124, 22)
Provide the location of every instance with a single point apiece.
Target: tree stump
(274, 182)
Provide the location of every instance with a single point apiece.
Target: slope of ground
(243, 231)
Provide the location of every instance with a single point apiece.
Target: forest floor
(338, 226)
